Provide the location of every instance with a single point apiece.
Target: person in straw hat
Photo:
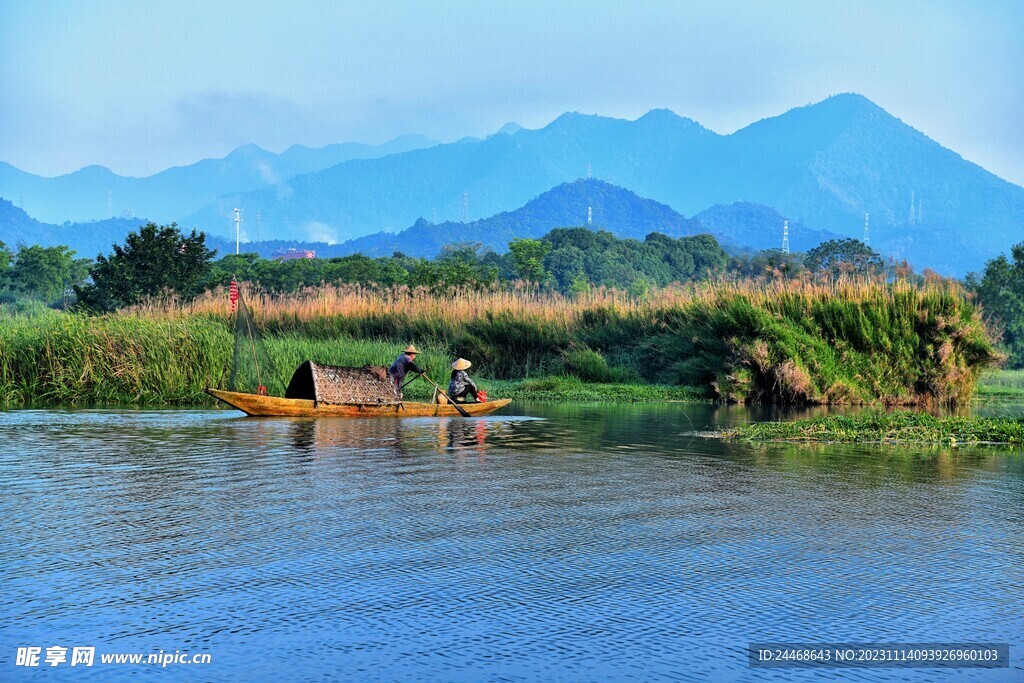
(402, 366)
(461, 385)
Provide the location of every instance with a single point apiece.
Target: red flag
(233, 295)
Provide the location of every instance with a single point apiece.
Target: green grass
(893, 344)
(799, 344)
(557, 388)
(1002, 384)
(55, 358)
(897, 427)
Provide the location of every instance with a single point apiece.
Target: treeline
(1000, 291)
(47, 274)
(568, 260)
(565, 259)
(159, 258)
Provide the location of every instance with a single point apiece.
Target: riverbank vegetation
(837, 341)
(890, 428)
(1000, 291)
(1002, 385)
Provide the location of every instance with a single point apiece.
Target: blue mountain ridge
(170, 194)
(611, 208)
(824, 165)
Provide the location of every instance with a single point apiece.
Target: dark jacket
(460, 380)
(402, 366)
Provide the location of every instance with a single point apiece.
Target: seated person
(461, 385)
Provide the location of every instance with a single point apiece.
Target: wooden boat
(317, 390)
(256, 405)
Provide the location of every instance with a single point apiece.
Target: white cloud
(321, 232)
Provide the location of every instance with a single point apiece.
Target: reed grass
(57, 358)
(849, 341)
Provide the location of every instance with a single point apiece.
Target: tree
(242, 267)
(769, 263)
(47, 273)
(566, 265)
(5, 266)
(528, 259)
(1001, 294)
(154, 259)
(844, 256)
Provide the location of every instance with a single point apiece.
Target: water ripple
(594, 543)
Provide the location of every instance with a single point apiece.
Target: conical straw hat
(410, 349)
(461, 364)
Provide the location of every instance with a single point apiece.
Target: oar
(459, 408)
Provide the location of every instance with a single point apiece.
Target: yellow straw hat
(410, 349)
(461, 364)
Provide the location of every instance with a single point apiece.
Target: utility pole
(259, 223)
(238, 229)
(867, 238)
(785, 237)
(590, 216)
(465, 205)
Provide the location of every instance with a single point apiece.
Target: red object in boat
(481, 396)
(261, 390)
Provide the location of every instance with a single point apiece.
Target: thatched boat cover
(336, 384)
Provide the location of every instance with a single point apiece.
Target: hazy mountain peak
(249, 150)
(849, 101)
(510, 128)
(666, 119)
(574, 119)
(842, 109)
(93, 171)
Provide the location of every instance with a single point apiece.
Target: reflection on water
(576, 542)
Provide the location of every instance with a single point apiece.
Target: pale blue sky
(141, 85)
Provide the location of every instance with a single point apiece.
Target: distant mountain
(87, 239)
(822, 165)
(756, 226)
(181, 190)
(498, 174)
(611, 208)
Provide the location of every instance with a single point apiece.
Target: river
(592, 543)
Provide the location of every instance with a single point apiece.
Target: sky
(141, 85)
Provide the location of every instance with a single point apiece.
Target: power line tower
(590, 215)
(867, 238)
(238, 229)
(465, 205)
(920, 211)
(259, 223)
(785, 237)
(912, 216)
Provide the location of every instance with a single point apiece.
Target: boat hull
(255, 405)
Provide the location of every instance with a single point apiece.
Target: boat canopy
(369, 384)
